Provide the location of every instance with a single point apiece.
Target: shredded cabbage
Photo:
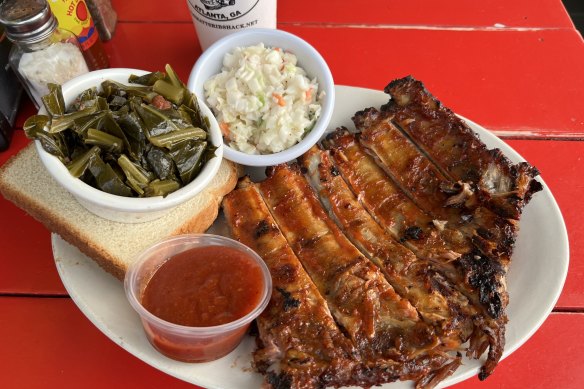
(263, 101)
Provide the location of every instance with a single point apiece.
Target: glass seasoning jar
(42, 53)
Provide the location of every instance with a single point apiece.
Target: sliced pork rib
(479, 278)
(375, 336)
(388, 249)
(384, 327)
(415, 279)
(505, 187)
(299, 344)
(455, 204)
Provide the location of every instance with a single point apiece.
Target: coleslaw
(263, 101)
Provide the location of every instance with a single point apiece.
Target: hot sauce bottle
(73, 15)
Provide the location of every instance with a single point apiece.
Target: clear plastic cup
(184, 343)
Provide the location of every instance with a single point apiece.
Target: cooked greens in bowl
(159, 152)
(142, 139)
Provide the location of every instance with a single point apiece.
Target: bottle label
(214, 19)
(223, 10)
(74, 16)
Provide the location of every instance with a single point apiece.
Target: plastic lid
(27, 21)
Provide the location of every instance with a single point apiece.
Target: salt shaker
(42, 53)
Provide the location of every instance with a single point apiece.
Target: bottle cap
(27, 21)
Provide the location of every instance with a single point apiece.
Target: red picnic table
(514, 67)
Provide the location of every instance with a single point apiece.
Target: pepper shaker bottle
(42, 53)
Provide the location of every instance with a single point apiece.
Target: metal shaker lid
(27, 21)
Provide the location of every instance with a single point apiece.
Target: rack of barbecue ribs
(388, 248)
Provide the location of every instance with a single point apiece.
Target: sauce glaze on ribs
(474, 275)
(453, 202)
(439, 304)
(388, 249)
(378, 336)
(382, 325)
(299, 344)
(505, 187)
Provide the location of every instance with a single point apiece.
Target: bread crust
(40, 208)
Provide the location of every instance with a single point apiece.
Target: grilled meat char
(502, 189)
(447, 249)
(505, 187)
(384, 327)
(299, 345)
(388, 204)
(454, 202)
(437, 301)
(388, 249)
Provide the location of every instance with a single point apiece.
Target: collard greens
(147, 138)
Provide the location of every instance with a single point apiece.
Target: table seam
(496, 27)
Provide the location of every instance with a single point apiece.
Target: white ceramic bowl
(211, 61)
(119, 208)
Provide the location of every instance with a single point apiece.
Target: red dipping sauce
(205, 286)
(202, 298)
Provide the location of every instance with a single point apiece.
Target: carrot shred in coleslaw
(264, 101)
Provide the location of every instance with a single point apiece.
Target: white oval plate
(535, 280)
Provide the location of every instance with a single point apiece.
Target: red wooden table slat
(62, 349)
(537, 364)
(518, 13)
(561, 165)
(151, 46)
(462, 13)
(151, 10)
(57, 347)
(27, 257)
(480, 74)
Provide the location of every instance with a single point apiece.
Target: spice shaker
(42, 53)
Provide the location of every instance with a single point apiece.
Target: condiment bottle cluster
(43, 51)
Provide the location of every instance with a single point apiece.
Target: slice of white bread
(114, 246)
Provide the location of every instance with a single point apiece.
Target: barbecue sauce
(203, 287)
